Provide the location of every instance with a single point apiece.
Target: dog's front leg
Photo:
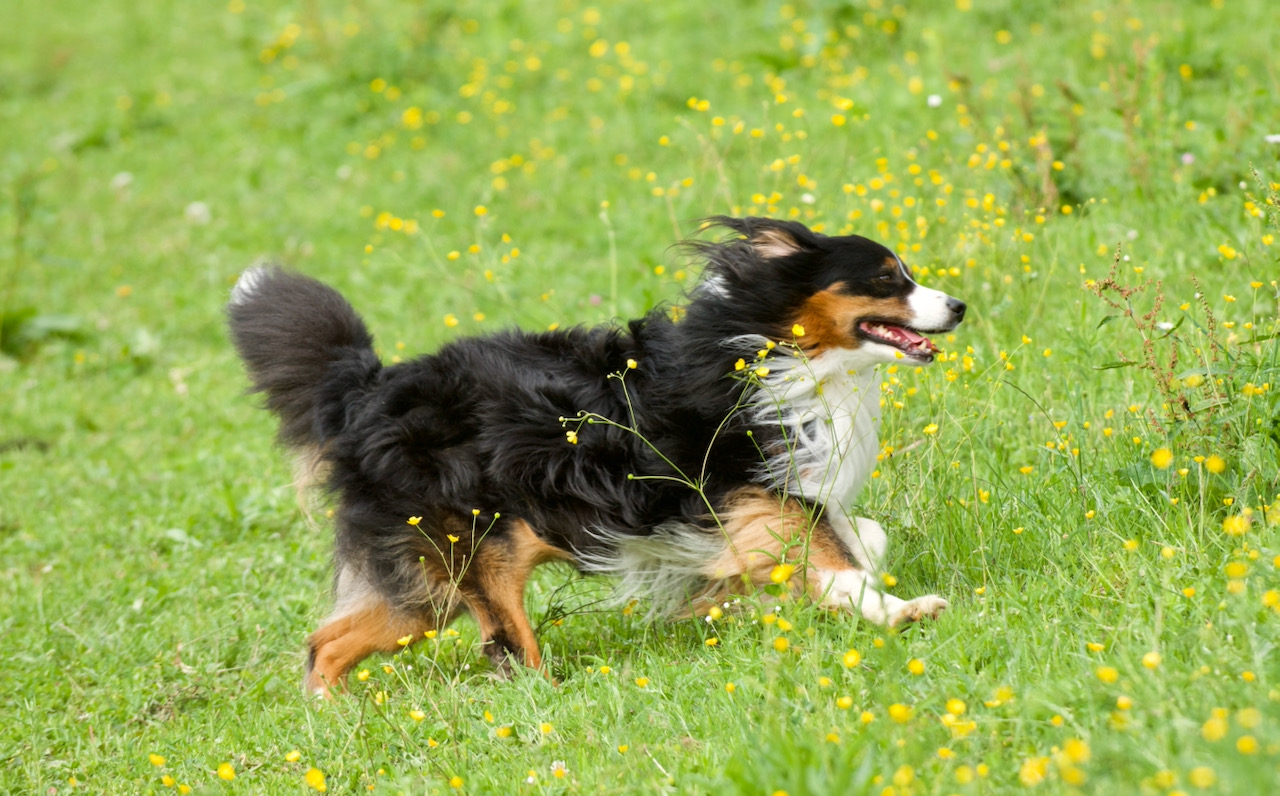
(865, 539)
(854, 590)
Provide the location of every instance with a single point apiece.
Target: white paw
(926, 607)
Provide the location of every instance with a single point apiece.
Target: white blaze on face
(928, 306)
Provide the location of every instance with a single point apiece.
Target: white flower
(198, 213)
(934, 101)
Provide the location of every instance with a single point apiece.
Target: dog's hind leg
(364, 622)
(493, 590)
(345, 640)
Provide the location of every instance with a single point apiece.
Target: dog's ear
(759, 244)
(771, 238)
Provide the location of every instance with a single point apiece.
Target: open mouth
(910, 342)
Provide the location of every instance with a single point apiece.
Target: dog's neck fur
(828, 415)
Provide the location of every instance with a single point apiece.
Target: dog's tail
(305, 347)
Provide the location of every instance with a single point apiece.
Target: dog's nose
(957, 308)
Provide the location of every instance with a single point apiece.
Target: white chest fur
(829, 414)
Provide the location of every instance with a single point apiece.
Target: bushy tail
(305, 347)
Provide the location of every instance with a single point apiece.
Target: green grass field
(1092, 474)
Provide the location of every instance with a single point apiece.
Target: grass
(1101, 517)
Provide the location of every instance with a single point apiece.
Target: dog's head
(849, 296)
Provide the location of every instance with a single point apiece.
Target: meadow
(1090, 473)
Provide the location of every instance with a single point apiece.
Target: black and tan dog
(725, 449)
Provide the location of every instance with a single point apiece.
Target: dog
(691, 458)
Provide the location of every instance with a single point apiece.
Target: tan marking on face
(770, 243)
(829, 318)
(764, 530)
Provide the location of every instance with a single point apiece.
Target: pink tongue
(912, 338)
(909, 338)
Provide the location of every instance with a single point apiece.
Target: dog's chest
(829, 419)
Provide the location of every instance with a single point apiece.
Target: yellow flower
(781, 644)
(900, 713)
(915, 666)
(956, 707)
(481, 210)
(1215, 464)
(293, 756)
(1202, 777)
(844, 702)
(1151, 660)
(315, 778)
(797, 330)
(156, 760)
(642, 682)
(852, 658)
(404, 641)
(1107, 674)
(1076, 750)
(1033, 771)
(452, 539)
(455, 782)
(1236, 525)
(631, 364)
(546, 728)
(932, 428)
(1215, 729)
(572, 437)
(503, 732)
(782, 573)
(740, 364)
(730, 687)
(762, 372)
(417, 715)
(227, 772)
(1162, 458)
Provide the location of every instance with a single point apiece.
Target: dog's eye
(887, 277)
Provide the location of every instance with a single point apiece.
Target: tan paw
(926, 607)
